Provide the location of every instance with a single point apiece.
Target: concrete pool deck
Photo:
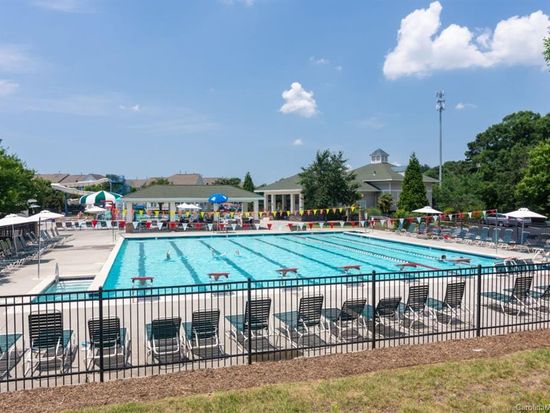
(88, 250)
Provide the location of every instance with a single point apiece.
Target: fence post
(478, 308)
(101, 356)
(249, 320)
(373, 305)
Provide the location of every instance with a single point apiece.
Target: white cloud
(7, 87)
(247, 3)
(298, 101)
(65, 6)
(134, 108)
(319, 60)
(13, 59)
(423, 48)
(462, 106)
(297, 142)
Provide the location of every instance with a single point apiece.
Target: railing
(75, 337)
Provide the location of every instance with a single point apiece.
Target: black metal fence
(75, 337)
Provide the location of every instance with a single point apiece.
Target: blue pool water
(66, 289)
(259, 256)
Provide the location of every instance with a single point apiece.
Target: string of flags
(322, 212)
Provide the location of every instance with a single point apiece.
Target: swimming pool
(189, 260)
(65, 290)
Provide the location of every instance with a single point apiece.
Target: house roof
(185, 179)
(209, 180)
(290, 183)
(379, 152)
(53, 178)
(195, 193)
(367, 176)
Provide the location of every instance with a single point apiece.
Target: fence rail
(75, 337)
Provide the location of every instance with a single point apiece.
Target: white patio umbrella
(523, 213)
(94, 210)
(427, 210)
(10, 221)
(43, 215)
(186, 206)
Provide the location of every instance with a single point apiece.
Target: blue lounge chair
(518, 298)
(306, 322)
(347, 322)
(50, 345)
(452, 305)
(7, 353)
(254, 320)
(202, 333)
(164, 339)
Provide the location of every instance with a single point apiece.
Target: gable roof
(290, 183)
(185, 179)
(379, 152)
(53, 178)
(196, 193)
(366, 177)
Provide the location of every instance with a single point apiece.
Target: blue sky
(147, 88)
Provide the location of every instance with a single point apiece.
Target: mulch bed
(238, 377)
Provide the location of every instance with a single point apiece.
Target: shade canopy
(186, 206)
(217, 198)
(13, 219)
(98, 197)
(427, 210)
(45, 215)
(524, 213)
(94, 210)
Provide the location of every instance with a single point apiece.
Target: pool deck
(88, 250)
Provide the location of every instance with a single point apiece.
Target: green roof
(194, 192)
(370, 173)
(292, 182)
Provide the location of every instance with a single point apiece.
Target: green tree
(534, 188)
(248, 184)
(16, 183)
(158, 181)
(326, 182)
(228, 181)
(47, 197)
(460, 190)
(413, 191)
(500, 155)
(385, 202)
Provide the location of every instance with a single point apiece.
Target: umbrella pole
(39, 242)
(13, 238)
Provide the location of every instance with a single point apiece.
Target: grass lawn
(492, 384)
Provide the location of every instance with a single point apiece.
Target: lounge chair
(411, 229)
(542, 298)
(164, 339)
(483, 237)
(50, 345)
(416, 306)
(202, 333)
(472, 235)
(346, 322)
(386, 312)
(7, 353)
(421, 230)
(507, 238)
(305, 322)
(254, 320)
(518, 297)
(109, 337)
(451, 305)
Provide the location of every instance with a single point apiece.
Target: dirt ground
(303, 369)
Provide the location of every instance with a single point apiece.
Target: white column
(256, 208)
(266, 202)
(283, 202)
(301, 201)
(272, 202)
(292, 206)
(245, 206)
(129, 211)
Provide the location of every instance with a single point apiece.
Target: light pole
(440, 107)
